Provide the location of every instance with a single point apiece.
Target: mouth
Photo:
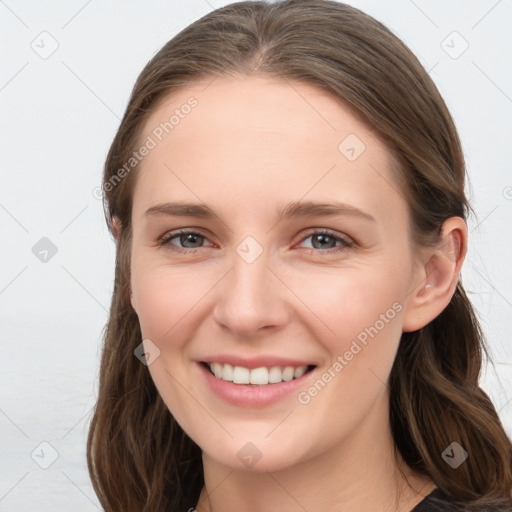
(262, 376)
(248, 383)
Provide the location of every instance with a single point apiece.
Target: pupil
(323, 238)
(188, 237)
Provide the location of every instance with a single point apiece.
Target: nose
(251, 299)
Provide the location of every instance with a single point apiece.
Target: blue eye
(184, 237)
(325, 238)
(192, 240)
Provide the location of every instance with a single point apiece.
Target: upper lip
(256, 362)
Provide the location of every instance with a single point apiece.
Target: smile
(257, 376)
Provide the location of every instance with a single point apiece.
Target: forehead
(254, 140)
(253, 107)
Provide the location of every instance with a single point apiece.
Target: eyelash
(345, 241)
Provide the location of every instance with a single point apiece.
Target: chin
(256, 457)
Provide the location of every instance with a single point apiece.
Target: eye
(325, 241)
(189, 239)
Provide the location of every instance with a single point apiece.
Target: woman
(313, 347)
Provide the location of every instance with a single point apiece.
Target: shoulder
(438, 501)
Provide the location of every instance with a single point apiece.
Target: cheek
(361, 323)
(163, 297)
(353, 303)
(363, 313)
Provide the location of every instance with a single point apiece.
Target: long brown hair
(138, 457)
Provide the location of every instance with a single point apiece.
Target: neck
(360, 473)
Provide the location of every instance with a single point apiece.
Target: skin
(251, 145)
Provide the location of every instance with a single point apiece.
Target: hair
(139, 458)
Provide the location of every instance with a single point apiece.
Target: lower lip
(247, 395)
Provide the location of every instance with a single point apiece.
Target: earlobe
(438, 276)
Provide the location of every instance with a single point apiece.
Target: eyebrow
(293, 209)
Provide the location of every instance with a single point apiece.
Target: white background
(58, 117)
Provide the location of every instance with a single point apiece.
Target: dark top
(437, 501)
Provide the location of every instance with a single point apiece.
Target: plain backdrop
(66, 71)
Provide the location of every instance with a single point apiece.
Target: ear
(437, 276)
(115, 226)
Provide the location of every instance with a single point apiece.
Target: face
(257, 281)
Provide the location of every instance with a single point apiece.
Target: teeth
(240, 375)
(259, 376)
